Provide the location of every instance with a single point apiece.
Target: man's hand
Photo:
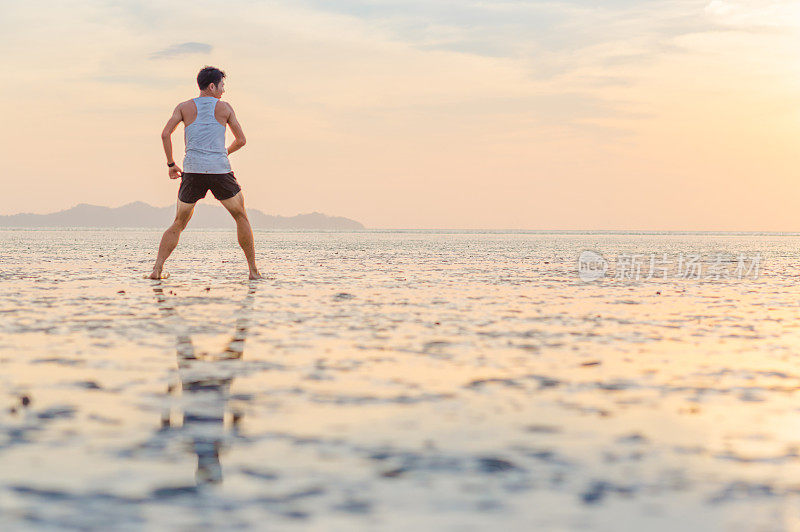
(175, 172)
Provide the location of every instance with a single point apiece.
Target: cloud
(183, 48)
(586, 50)
(745, 14)
(527, 28)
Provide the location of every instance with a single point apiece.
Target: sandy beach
(394, 380)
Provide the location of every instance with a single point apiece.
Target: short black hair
(209, 75)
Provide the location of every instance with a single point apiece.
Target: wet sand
(391, 381)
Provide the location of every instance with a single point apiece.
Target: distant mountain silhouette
(140, 214)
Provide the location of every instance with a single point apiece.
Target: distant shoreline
(141, 215)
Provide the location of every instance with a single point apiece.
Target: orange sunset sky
(642, 114)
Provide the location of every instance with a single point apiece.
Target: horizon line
(433, 229)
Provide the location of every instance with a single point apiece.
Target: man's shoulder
(225, 109)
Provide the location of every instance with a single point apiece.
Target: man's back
(188, 113)
(204, 135)
(188, 110)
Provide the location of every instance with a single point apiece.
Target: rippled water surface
(394, 381)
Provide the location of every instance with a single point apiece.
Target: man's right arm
(237, 131)
(166, 140)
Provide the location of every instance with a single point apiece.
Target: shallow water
(387, 380)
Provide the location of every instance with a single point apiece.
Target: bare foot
(158, 275)
(255, 275)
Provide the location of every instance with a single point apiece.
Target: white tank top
(205, 141)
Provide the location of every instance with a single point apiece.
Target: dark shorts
(195, 186)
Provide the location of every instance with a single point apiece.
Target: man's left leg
(244, 232)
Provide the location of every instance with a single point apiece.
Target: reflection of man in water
(205, 384)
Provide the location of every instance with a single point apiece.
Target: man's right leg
(170, 239)
(244, 232)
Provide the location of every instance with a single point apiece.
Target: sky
(508, 114)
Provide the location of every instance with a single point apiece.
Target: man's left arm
(166, 139)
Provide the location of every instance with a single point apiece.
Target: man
(205, 165)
